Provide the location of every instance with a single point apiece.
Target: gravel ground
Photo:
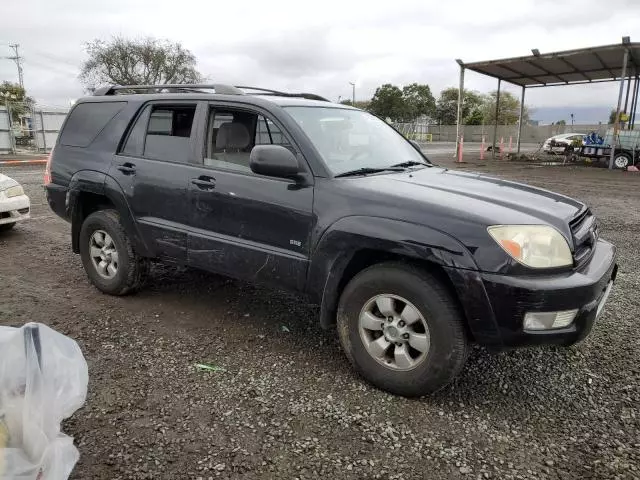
(287, 404)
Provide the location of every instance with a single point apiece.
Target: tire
(447, 342)
(131, 270)
(5, 227)
(622, 160)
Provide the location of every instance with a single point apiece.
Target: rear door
(246, 225)
(152, 170)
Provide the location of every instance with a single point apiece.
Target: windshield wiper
(367, 170)
(411, 163)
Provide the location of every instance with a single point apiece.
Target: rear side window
(87, 120)
(168, 133)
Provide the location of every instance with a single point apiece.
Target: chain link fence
(423, 132)
(27, 128)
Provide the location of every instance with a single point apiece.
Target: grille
(22, 211)
(584, 229)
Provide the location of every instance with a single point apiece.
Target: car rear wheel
(5, 227)
(108, 257)
(622, 160)
(402, 329)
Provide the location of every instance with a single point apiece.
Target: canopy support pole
(459, 119)
(617, 123)
(520, 119)
(495, 125)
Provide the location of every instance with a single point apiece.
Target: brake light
(47, 169)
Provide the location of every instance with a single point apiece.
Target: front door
(246, 225)
(151, 169)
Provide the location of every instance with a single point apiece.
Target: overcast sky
(318, 46)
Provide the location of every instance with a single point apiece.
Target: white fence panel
(6, 144)
(46, 126)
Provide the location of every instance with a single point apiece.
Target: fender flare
(349, 235)
(89, 181)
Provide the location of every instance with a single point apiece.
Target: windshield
(352, 139)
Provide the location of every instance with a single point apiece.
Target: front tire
(622, 160)
(402, 329)
(108, 256)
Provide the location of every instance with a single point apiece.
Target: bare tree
(147, 61)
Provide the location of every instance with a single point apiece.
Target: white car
(14, 204)
(560, 142)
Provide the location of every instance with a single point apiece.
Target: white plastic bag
(43, 380)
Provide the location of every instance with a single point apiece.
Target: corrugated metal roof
(586, 65)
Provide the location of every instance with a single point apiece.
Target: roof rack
(218, 88)
(266, 91)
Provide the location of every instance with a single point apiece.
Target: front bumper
(14, 209)
(495, 305)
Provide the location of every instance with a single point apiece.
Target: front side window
(232, 134)
(350, 140)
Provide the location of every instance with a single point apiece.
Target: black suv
(412, 262)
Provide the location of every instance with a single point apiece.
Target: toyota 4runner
(410, 261)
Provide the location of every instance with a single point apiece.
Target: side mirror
(273, 161)
(416, 145)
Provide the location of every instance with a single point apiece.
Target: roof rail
(219, 88)
(266, 91)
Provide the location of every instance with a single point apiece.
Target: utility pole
(353, 95)
(18, 59)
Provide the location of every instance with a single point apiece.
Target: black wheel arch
(355, 243)
(85, 197)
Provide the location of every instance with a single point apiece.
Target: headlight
(536, 246)
(15, 191)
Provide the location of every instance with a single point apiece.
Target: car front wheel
(402, 329)
(108, 257)
(622, 160)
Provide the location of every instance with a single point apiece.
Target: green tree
(560, 122)
(147, 61)
(447, 107)
(388, 102)
(418, 101)
(476, 117)
(612, 117)
(509, 109)
(16, 96)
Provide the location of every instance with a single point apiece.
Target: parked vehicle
(561, 142)
(411, 262)
(14, 204)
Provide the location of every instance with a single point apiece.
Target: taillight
(47, 169)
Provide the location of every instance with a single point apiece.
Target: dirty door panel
(151, 168)
(251, 227)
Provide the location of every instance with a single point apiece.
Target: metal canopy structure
(607, 63)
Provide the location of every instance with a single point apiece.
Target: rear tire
(408, 288)
(5, 227)
(120, 270)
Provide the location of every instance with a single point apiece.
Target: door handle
(204, 182)
(127, 168)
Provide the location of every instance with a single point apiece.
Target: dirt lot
(288, 404)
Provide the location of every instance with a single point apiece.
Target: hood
(6, 182)
(487, 200)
